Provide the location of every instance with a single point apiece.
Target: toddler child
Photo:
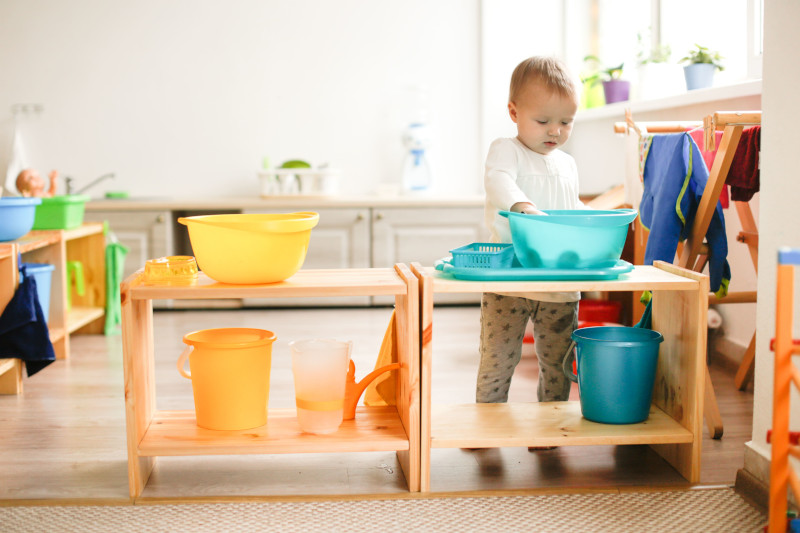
(525, 174)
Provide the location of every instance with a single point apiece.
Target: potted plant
(656, 76)
(703, 63)
(615, 88)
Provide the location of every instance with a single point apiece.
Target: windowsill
(699, 96)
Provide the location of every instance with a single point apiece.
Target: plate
(612, 271)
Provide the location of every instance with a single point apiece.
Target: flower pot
(616, 90)
(699, 75)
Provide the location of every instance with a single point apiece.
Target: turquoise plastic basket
(570, 238)
(484, 255)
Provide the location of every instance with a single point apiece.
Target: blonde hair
(548, 71)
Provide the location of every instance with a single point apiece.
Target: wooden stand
(674, 428)
(85, 244)
(152, 433)
(693, 255)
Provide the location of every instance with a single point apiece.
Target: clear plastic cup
(320, 371)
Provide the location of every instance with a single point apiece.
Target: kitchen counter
(280, 202)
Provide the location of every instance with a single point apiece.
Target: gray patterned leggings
(503, 322)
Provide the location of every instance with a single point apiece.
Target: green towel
(115, 266)
(646, 322)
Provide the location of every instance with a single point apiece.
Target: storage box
(599, 311)
(43, 274)
(484, 255)
(60, 212)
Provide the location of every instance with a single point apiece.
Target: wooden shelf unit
(153, 433)
(674, 428)
(10, 369)
(85, 244)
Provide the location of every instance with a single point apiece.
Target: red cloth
(708, 157)
(743, 176)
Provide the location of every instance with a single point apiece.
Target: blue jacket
(674, 179)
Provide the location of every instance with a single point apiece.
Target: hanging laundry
(115, 267)
(23, 328)
(674, 180)
(743, 176)
(708, 157)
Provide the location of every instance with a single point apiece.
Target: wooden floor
(64, 437)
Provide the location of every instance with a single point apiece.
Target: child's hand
(527, 208)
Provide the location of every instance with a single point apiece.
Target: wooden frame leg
(139, 374)
(10, 376)
(711, 409)
(747, 366)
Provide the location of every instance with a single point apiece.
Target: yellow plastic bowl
(250, 249)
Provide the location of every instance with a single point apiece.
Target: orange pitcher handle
(182, 362)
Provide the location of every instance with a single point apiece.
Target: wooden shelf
(333, 283)
(176, 433)
(543, 424)
(674, 428)
(642, 278)
(6, 365)
(152, 433)
(56, 334)
(77, 317)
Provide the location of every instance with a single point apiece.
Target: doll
(30, 183)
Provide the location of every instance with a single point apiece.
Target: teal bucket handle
(566, 366)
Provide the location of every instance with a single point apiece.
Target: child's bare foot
(541, 448)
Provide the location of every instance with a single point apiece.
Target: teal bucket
(616, 371)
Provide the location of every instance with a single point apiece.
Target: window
(625, 31)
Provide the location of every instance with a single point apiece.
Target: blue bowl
(16, 217)
(570, 239)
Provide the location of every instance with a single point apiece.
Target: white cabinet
(341, 240)
(146, 234)
(423, 235)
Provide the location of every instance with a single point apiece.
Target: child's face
(544, 118)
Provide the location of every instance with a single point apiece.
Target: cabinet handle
(378, 216)
(160, 219)
(359, 217)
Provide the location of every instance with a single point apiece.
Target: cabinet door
(146, 234)
(423, 235)
(340, 240)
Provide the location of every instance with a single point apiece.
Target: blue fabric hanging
(23, 328)
(674, 179)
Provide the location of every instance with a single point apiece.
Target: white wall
(507, 39)
(185, 97)
(780, 194)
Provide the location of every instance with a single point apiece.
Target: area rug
(707, 510)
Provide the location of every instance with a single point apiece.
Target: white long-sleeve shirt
(514, 173)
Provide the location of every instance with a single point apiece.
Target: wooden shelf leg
(11, 379)
(140, 401)
(711, 409)
(746, 367)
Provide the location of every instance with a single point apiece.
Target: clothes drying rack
(694, 253)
